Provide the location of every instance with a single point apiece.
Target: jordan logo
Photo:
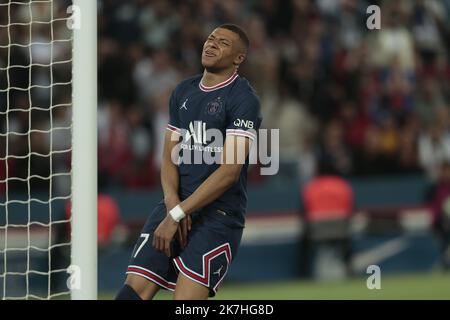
(218, 271)
(183, 106)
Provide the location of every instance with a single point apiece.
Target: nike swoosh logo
(377, 254)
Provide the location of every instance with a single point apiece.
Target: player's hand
(183, 228)
(164, 234)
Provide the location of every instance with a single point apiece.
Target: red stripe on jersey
(173, 128)
(220, 85)
(204, 278)
(240, 133)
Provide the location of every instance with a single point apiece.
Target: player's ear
(239, 59)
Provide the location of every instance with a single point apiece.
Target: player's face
(222, 50)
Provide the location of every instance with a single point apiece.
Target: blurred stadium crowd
(348, 100)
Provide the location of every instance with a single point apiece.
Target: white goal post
(84, 145)
(48, 149)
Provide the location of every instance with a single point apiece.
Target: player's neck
(211, 79)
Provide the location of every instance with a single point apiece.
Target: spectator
(158, 66)
(296, 128)
(114, 148)
(370, 160)
(434, 150)
(334, 156)
(328, 205)
(140, 171)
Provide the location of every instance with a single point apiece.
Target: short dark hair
(239, 31)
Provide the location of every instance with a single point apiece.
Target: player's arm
(169, 171)
(236, 150)
(170, 182)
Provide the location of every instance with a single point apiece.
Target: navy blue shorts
(210, 248)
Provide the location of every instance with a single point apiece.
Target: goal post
(84, 150)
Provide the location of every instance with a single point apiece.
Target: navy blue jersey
(198, 113)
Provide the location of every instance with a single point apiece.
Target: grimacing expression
(222, 49)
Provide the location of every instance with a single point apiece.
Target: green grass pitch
(434, 286)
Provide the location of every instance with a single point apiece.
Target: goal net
(36, 106)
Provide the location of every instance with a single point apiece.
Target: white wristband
(177, 213)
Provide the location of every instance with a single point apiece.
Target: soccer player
(192, 236)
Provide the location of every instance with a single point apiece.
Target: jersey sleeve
(174, 117)
(244, 117)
